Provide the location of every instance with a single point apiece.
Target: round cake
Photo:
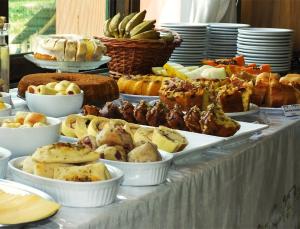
(97, 89)
(68, 48)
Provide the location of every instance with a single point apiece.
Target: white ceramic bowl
(5, 97)
(24, 141)
(144, 174)
(70, 193)
(4, 158)
(54, 105)
(6, 111)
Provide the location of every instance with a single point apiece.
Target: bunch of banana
(132, 26)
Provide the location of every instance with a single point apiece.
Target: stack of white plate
(266, 46)
(193, 47)
(222, 39)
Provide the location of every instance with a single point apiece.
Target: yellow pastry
(68, 126)
(96, 125)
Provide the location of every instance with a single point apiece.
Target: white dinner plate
(265, 41)
(265, 52)
(265, 55)
(266, 31)
(265, 38)
(227, 25)
(265, 48)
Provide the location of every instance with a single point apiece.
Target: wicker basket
(138, 56)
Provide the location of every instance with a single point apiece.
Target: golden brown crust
(291, 80)
(97, 89)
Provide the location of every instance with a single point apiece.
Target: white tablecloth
(251, 184)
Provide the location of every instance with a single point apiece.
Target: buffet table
(251, 183)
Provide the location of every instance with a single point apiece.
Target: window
(27, 19)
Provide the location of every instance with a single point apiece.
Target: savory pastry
(25, 120)
(143, 135)
(88, 141)
(140, 112)
(32, 117)
(260, 90)
(192, 119)
(47, 169)
(230, 98)
(81, 125)
(96, 125)
(131, 128)
(127, 110)
(115, 135)
(215, 122)
(114, 153)
(291, 80)
(174, 118)
(64, 153)
(28, 165)
(186, 94)
(146, 152)
(141, 84)
(110, 110)
(91, 172)
(68, 126)
(168, 139)
(97, 89)
(156, 115)
(20, 116)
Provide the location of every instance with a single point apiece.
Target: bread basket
(138, 56)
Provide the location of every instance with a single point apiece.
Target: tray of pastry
(137, 98)
(67, 66)
(22, 204)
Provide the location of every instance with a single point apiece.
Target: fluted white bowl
(24, 141)
(55, 105)
(4, 158)
(70, 193)
(5, 97)
(144, 174)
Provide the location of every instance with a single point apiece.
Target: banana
(151, 34)
(168, 37)
(123, 24)
(137, 19)
(113, 25)
(106, 31)
(142, 27)
(168, 139)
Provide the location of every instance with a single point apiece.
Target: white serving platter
(68, 66)
(21, 189)
(272, 110)
(137, 98)
(252, 110)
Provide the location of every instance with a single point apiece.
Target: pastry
(91, 85)
(88, 141)
(47, 169)
(64, 153)
(168, 139)
(110, 110)
(127, 110)
(91, 172)
(32, 117)
(81, 125)
(146, 152)
(68, 48)
(90, 110)
(141, 84)
(192, 119)
(140, 112)
(260, 90)
(115, 135)
(184, 93)
(156, 115)
(215, 122)
(114, 153)
(96, 125)
(68, 126)
(291, 80)
(143, 135)
(174, 118)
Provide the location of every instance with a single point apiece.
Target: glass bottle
(4, 56)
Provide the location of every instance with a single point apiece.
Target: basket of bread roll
(135, 45)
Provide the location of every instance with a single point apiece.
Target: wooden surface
(273, 13)
(85, 17)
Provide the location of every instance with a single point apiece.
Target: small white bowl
(4, 158)
(54, 105)
(144, 174)
(70, 193)
(5, 97)
(24, 141)
(6, 111)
